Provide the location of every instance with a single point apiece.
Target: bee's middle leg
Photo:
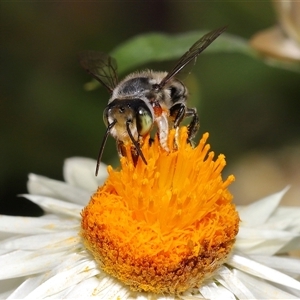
(179, 111)
(195, 123)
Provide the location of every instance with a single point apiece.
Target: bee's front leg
(133, 153)
(163, 130)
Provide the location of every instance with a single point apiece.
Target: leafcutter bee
(143, 99)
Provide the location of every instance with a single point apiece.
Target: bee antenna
(135, 143)
(109, 127)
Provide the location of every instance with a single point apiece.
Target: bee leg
(151, 140)
(121, 148)
(177, 112)
(163, 130)
(134, 155)
(122, 152)
(195, 123)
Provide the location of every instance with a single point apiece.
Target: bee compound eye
(105, 117)
(144, 121)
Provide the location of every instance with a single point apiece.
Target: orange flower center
(164, 226)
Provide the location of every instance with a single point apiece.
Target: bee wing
(101, 66)
(192, 53)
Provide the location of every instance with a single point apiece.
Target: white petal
(261, 288)
(258, 212)
(263, 234)
(151, 296)
(34, 282)
(3, 235)
(26, 287)
(62, 294)
(102, 286)
(287, 218)
(232, 283)
(64, 279)
(40, 185)
(108, 287)
(191, 294)
(22, 263)
(284, 264)
(38, 241)
(30, 225)
(265, 247)
(291, 246)
(262, 241)
(85, 289)
(56, 206)
(264, 272)
(80, 172)
(8, 286)
(212, 291)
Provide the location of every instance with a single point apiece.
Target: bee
(144, 99)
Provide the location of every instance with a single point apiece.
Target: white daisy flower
(167, 218)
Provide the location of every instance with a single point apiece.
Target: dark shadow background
(47, 116)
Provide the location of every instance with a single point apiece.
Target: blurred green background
(47, 116)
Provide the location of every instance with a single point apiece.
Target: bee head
(131, 116)
(127, 120)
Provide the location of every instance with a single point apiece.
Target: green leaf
(155, 47)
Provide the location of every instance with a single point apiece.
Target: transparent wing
(101, 66)
(193, 52)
